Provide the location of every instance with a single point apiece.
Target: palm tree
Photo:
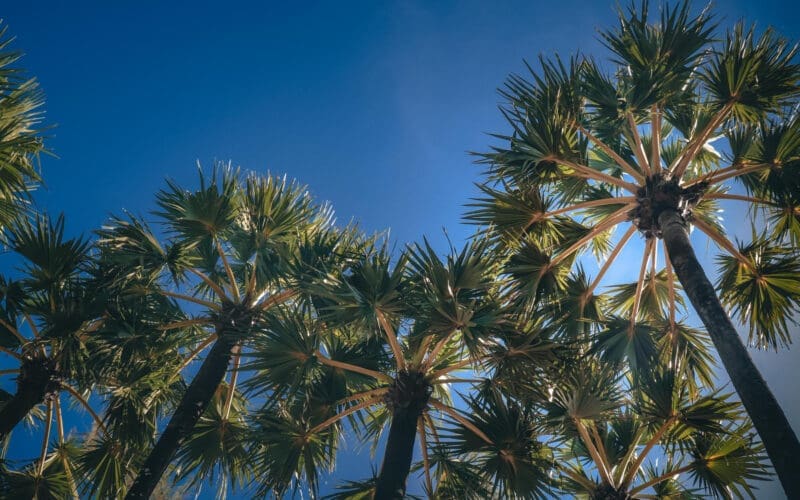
(21, 142)
(592, 422)
(382, 346)
(508, 459)
(609, 429)
(592, 150)
(230, 256)
(134, 360)
(47, 317)
(597, 428)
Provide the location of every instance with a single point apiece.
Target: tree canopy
(238, 337)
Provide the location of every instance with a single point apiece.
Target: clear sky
(373, 104)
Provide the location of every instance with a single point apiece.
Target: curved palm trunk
(398, 454)
(772, 425)
(194, 403)
(27, 397)
(38, 377)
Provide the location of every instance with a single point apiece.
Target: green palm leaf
(515, 463)
(764, 292)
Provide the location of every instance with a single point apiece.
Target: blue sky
(374, 105)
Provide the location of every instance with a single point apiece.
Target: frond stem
(629, 454)
(423, 444)
(599, 462)
(14, 331)
(457, 381)
(629, 477)
(691, 149)
(228, 270)
(608, 222)
(208, 281)
(723, 242)
(417, 359)
(578, 478)
(46, 439)
(211, 338)
(11, 353)
(726, 173)
(353, 368)
(194, 300)
(370, 402)
(653, 264)
(455, 367)
(392, 338)
(251, 283)
(380, 391)
(601, 447)
(32, 325)
(662, 477)
(618, 200)
(186, 362)
(438, 348)
(610, 260)
(277, 298)
(739, 197)
(237, 359)
(655, 132)
(590, 173)
(624, 165)
(35, 330)
(648, 247)
(638, 147)
(461, 420)
(434, 432)
(59, 419)
(60, 426)
(184, 324)
(85, 404)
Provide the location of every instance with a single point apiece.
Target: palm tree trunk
(38, 377)
(772, 425)
(399, 453)
(18, 407)
(194, 403)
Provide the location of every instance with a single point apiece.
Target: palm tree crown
(593, 150)
(611, 436)
(233, 252)
(21, 141)
(48, 318)
(382, 347)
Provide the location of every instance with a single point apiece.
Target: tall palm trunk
(772, 425)
(194, 403)
(18, 407)
(38, 377)
(398, 454)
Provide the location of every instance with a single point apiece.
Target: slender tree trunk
(194, 403)
(772, 425)
(12, 413)
(399, 453)
(38, 377)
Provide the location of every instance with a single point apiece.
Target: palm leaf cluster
(320, 331)
(48, 313)
(391, 343)
(238, 339)
(616, 161)
(596, 147)
(21, 140)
